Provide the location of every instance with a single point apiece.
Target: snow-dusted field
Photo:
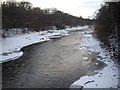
(106, 78)
(10, 49)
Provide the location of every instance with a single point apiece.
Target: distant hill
(23, 15)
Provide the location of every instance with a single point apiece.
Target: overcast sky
(78, 8)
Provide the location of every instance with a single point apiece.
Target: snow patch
(11, 56)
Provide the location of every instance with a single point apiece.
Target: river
(53, 64)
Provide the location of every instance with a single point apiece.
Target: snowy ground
(106, 78)
(10, 49)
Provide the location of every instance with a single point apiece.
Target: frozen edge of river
(106, 78)
(11, 47)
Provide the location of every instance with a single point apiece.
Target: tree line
(107, 26)
(24, 15)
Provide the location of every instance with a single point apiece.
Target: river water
(53, 64)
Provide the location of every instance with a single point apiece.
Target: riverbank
(11, 46)
(108, 76)
(74, 61)
(54, 64)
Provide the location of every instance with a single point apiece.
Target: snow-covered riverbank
(106, 78)
(10, 49)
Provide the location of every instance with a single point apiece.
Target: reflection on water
(53, 64)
